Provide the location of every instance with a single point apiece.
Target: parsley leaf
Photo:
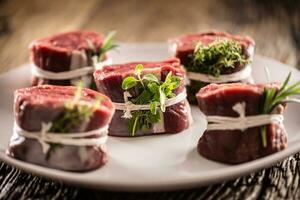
(129, 82)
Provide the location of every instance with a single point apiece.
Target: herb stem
(134, 125)
(151, 91)
(272, 97)
(264, 136)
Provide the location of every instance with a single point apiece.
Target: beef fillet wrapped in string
(61, 127)
(213, 57)
(66, 58)
(149, 97)
(245, 121)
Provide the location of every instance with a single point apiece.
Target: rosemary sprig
(150, 91)
(272, 97)
(214, 58)
(108, 44)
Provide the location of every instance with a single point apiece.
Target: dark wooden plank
(278, 182)
(19, 185)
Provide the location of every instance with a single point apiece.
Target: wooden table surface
(275, 26)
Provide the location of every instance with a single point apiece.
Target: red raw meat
(42, 104)
(109, 81)
(185, 45)
(54, 53)
(235, 146)
(183, 48)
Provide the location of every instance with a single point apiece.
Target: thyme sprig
(214, 58)
(272, 97)
(150, 91)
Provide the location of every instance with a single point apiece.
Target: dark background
(275, 26)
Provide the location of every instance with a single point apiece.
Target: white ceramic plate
(161, 162)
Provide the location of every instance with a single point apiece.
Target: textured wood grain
(274, 26)
(278, 182)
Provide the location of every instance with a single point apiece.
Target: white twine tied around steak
(78, 69)
(242, 122)
(128, 106)
(237, 76)
(46, 138)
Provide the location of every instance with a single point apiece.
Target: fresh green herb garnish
(98, 55)
(272, 97)
(108, 44)
(75, 113)
(214, 58)
(93, 86)
(150, 91)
